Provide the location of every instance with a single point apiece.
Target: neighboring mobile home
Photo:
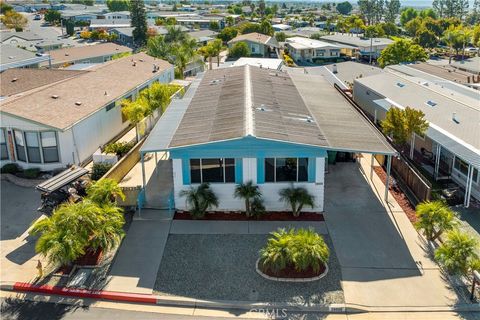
(247, 123)
(303, 49)
(259, 44)
(451, 147)
(65, 118)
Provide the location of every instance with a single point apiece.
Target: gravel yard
(222, 267)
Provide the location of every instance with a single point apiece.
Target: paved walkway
(381, 254)
(241, 227)
(138, 259)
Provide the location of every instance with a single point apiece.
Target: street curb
(220, 304)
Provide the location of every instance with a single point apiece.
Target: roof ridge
(249, 116)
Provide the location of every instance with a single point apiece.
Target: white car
(471, 49)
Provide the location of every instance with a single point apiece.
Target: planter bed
(289, 274)
(240, 216)
(401, 198)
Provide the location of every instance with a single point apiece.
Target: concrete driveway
(381, 255)
(18, 211)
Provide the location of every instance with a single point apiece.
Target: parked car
(37, 17)
(471, 50)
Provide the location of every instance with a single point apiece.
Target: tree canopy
(401, 51)
(239, 49)
(14, 20)
(118, 5)
(344, 7)
(139, 21)
(401, 124)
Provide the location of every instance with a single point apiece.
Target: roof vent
(14, 79)
(66, 54)
(54, 96)
(214, 82)
(134, 63)
(11, 57)
(78, 103)
(454, 118)
(105, 94)
(141, 60)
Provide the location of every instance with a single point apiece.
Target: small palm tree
(458, 254)
(434, 218)
(301, 249)
(105, 191)
(75, 228)
(247, 191)
(297, 198)
(200, 199)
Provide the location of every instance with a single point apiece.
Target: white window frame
(464, 175)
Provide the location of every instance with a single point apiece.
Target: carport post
(468, 186)
(144, 179)
(371, 165)
(437, 160)
(156, 162)
(387, 182)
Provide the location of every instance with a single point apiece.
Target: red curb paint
(83, 293)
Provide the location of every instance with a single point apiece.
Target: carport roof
(236, 102)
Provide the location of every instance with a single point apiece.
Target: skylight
(401, 85)
(431, 103)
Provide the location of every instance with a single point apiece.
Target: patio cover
(62, 179)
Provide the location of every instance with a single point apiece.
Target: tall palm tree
(105, 191)
(199, 199)
(297, 198)
(247, 191)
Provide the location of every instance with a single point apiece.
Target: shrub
(119, 148)
(105, 191)
(31, 173)
(249, 192)
(10, 168)
(239, 49)
(99, 169)
(301, 249)
(288, 60)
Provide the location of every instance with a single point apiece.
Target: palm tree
(297, 198)
(199, 199)
(75, 228)
(458, 254)
(105, 191)
(434, 218)
(175, 34)
(216, 49)
(247, 191)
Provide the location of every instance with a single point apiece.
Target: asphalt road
(18, 309)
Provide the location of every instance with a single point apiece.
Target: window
(286, 169)
(49, 146)
(220, 170)
(33, 147)
(110, 106)
(20, 145)
(320, 53)
(3, 144)
(462, 166)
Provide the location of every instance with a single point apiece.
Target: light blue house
(246, 123)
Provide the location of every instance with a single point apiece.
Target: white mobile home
(64, 122)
